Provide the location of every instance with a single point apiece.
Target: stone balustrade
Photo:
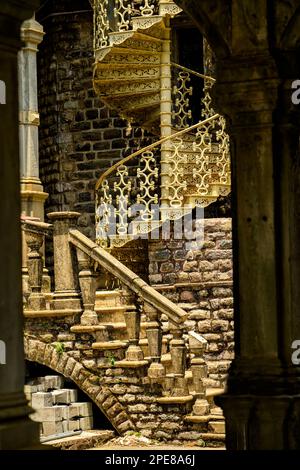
(77, 263)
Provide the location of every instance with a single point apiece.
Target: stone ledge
(110, 345)
(114, 308)
(100, 327)
(192, 285)
(212, 392)
(51, 313)
(131, 364)
(203, 419)
(197, 419)
(211, 436)
(174, 400)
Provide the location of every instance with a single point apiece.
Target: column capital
(32, 34)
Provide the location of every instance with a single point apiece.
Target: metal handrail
(193, 72)
(152, 146)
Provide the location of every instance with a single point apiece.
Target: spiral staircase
(188, 166)
(113, 314)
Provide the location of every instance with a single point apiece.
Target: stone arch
(87, 381)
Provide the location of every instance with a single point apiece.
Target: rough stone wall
(79, 137)
(125, 395)
(199, 280)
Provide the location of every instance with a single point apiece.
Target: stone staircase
(127, 345)
(112, 343)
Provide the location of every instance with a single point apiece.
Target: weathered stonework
(200, 281)
(124, 395)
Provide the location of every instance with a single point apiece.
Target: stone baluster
(199, 370)
(133, 324)
(35, 236)
(178, 356)
(66, 295)
(87, 281)
(156, 370)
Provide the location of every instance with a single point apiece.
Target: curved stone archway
(63, 363)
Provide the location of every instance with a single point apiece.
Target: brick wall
(199, 280)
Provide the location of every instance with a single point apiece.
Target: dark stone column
(260, 404)
(16, 429)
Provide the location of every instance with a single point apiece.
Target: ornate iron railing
(128, 194)
(194, 172)
(182, 95)
(118, 15)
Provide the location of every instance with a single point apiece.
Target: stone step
(135, 41)
(203, 419)
(56, 397)
(119, 73)
(109, 298)
(110, 345)
(119, 55)
(153, 24)
(113, 314)
(140, 102)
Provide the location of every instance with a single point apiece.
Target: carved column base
(89, 317)
(156, 371)
(261, 422)
(199, 371)
(134, 353)
(36, 301)
(32, 198)
(17, 431)
(46, 285)
(201, 407)
(180, 387)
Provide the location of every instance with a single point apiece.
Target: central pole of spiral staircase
(165, 117)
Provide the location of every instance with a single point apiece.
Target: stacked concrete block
(56, 407)
(64, 396)
(41, 400)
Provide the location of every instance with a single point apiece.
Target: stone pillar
(87, 281)
(133, 324)
(16, 429)
(156, 370)
(199, 368)
(66, 295)
(35, 236)
(178, 354)
(261, 402)
(263, 383)
(32, 195)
